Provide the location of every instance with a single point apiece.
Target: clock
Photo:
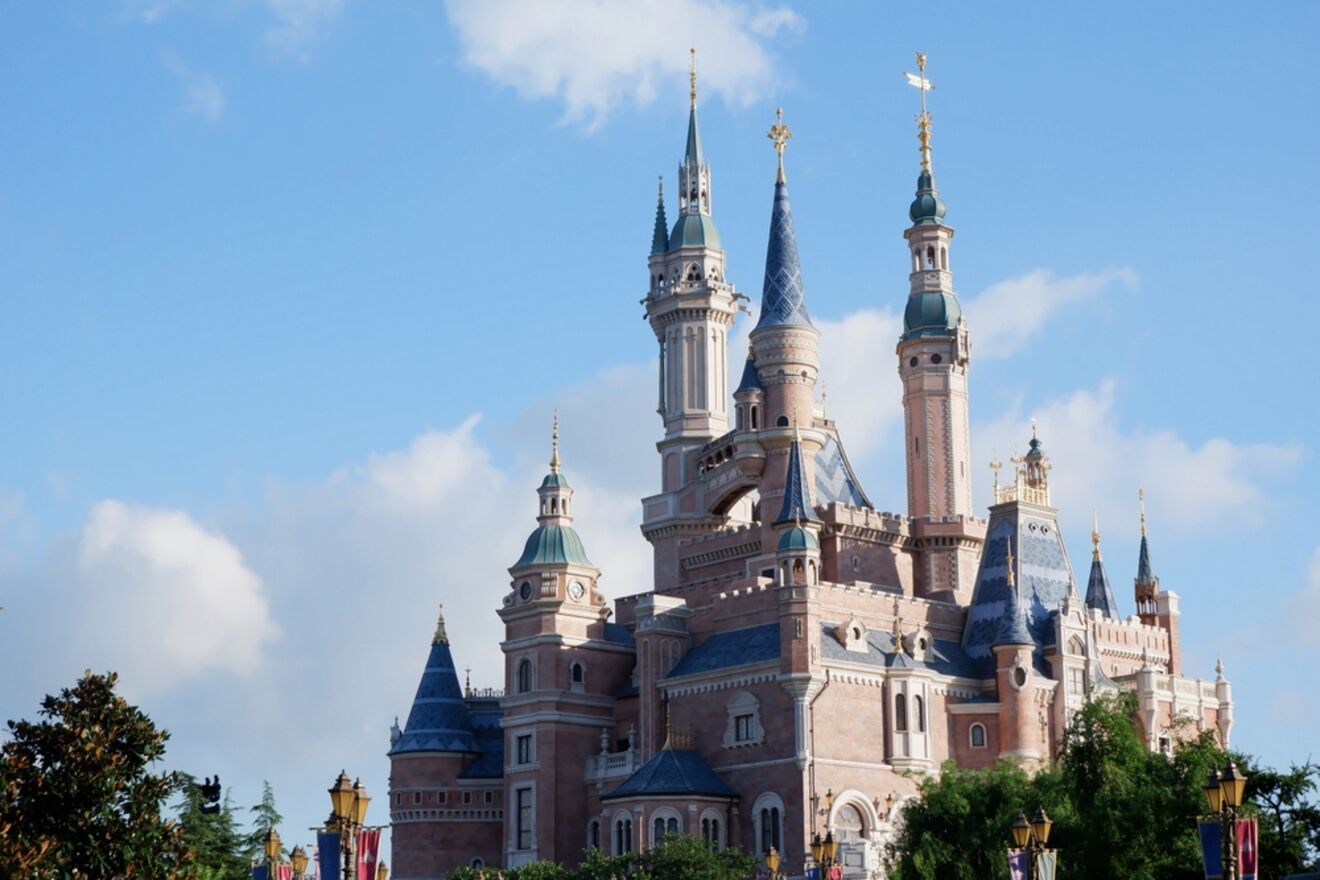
(577, 590)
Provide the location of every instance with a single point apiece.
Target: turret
(1156, 606)
(1099, 596)
(1013, 647)
(797, 550)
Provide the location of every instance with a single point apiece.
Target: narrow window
(490, 797)
(417, 797)
(755, 424)
(524, 815)
(742, 728)
(900, 713)
(916, 446)
(467, 798)
(593, 834)
(919, 709)
(525, 749)
(577, 673)
(658, 832)
(978, 736)
(524, 676)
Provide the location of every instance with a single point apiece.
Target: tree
(77, 798)
(1289, 819)
(213, 839)
(265, 817)
(678, 857)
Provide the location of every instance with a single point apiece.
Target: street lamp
(348, 812)
(382, 871)
(273, 848)
(772, 863)
(298, 859)
(1030, 837)
(1224, 792)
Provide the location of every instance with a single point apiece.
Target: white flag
(920, 82)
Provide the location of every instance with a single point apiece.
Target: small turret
(1099, 596)
(1146, 585)
(554, 540)
(660, 234)
(798, 547)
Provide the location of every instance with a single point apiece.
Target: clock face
(577, 589)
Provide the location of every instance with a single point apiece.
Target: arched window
(849, 826)
(710, 830)
(755, 419)
(478, 862)
(919, 711)
(781, 422)
(524, 676)
(576, 673)
(622, 836)
(768, 816)
(593, 834)
(930, 257)
(944, 259)
(900, 713)
(977, 735)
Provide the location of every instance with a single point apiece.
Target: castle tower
(1156, 607)
(784, 345)
(1099, 596)
(798, 548)
(1015, 676)
(690, 308)
(933, 356)
(559, 662)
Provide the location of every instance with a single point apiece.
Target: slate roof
(783, 297)
(751, 380)
(797, 498)
(438, 721)
(1145, 571)
(660, 235)
(618, 634)
(944, 657)
(735, 647)
(485, 716)
(835, 480)
(1098, 593)
(673, 772)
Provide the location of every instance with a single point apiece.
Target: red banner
(368, 853)
(1246, 843)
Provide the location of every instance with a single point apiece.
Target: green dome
(933, 313)
(694, 230)
(798, 538)
(927, 208)
(553, 544)
(554, 481)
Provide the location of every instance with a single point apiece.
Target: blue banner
(260, 872)
(327, 854)
(813, 873)
(1212, 849)
(1017, 864)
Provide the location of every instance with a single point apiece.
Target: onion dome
(798, 538)
(553, 544)
(927, 208)
(933, 313)
(694, 230)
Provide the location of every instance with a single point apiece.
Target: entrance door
(854, 842)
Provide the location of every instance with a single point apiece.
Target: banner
(1046, 863)
(1212, 850)
(284, 872)
(368, 853)
(260, 872)
(813, 873)
(1246, 844)
(327, 854)
(1017, 865)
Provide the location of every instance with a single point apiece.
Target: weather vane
(779, 135)
(919, 81)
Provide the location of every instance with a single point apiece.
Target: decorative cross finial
(779, 136)
(1141, 500)
(441, 637)
(554, 444)
(923, 118)
(1095, 536)
(692, 79)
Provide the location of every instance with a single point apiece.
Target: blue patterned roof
(1044, 577)
(439, 720)
(618, 634)
(1098, 593)
(751, 381)
(944, 657)
(835, 480)
(485, 715)
(1013, 624)
(783, 297)
(797, 499)
(735, 647)
(673, 772)
(553, 544)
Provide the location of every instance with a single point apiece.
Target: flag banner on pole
(368, 853)
(1246, 844)
(260, 872)
(919, 81)
(1211, 849)
(1046, 863)
(327, 854)
(813, 873)
(284, 872)
(834, 873)
(1017, 865)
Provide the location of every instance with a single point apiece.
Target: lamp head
(772, 861)
(341, 798)
(298, 858)
(1021, 831)
(273, 847)
(382, 871)
(360, 801)
(1041, 823)
(829, 847)
(1214, 795)
(1233, 785)
(817, 848)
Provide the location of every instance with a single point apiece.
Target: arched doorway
(854, 826)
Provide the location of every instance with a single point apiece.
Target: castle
(803, 658)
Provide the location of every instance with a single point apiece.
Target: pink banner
(368, 853)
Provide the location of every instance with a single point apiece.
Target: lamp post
(1031, 837)
(823, 851)
(273, 848)
(298, 859)
(772, 863)
(1223, 792)
(348, 812)
(382, 872)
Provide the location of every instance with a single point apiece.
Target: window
(744, 721)
(849, 826)
(919, 713)
(524, 742)
(710, 831)
(977, 735)
(769, 829)
(916, 445)
(490, 797)
(900, 713)
(467, 798)
(524, 676)
(576, 673)
(742, 728)
(417, 797)
(478, 862)
(622, 836)
(398, 800)
(524, 818)
(440, 797)
(593, 834)
(1076, 680)
(781, 422)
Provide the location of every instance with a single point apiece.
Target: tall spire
(928, 208)
(783, 297)
(1099, 595)
(554, 444)
(660, 235)
(797, 497)
(693, 180)
(1145, 571)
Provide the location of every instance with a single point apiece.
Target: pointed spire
(797, 497)
(554, 444)
(1013, 628)
(751, 379)
(1095, 536)
(692, 156)
(692, 79)
(1145, 571)
(441, 637)
(660, 235)
(783, 297)
(1099, 595)
(928, 209)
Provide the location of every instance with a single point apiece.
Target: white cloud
(1004, 316)
(300, 25)
(1098, 465)
(205, 98)
(597, 54)
(164, 599)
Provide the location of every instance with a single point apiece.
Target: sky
(289, 290)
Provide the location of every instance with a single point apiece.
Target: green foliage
(679, 857)
(76, 794)
(213, 839)
(265, 817)
(1289, 818)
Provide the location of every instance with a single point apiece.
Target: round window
(525, 590)
(1019, 677)
(936, 359)
(912, 363)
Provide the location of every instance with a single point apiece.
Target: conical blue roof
(1013, 626)
(660, 235)
(783, 297)
(1145, 571)
(439, 719)
(692, 155)
(751, 381)
(797, 499)
(1098, 593)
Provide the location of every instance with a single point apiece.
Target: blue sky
(288, 290)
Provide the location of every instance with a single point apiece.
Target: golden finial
(779, 135)
(1095, 536)
(923, 119)
(692, 79)
(995, 465)
(1033, 427)
(1141, 501)
(554, 444)
(1009, 577)
(441, 637)
(660, 189)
